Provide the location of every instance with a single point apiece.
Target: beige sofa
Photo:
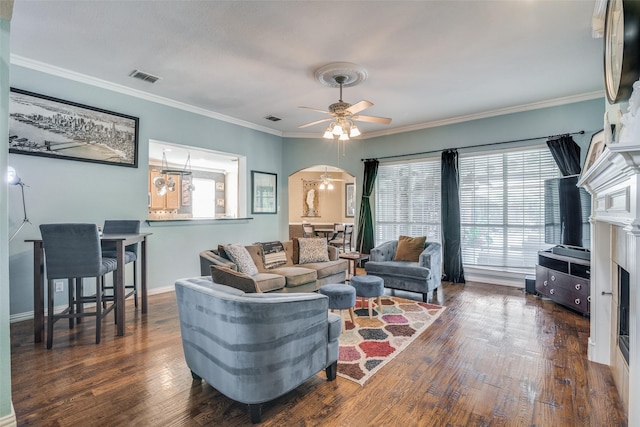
(290, 277)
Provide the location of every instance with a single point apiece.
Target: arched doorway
(321, 195)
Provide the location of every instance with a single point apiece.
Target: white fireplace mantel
(613, 182)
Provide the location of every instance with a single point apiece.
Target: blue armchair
(422, 276)
(255, 347)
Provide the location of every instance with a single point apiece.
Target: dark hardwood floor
(496, 357)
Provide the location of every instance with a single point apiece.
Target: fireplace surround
(613, 182)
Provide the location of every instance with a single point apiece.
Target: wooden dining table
(120, 241)
(327, 232)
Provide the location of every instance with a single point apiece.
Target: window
(407, 200)
(203, 201)
(502, 206)
(188, 182)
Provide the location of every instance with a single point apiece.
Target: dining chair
(308, 230)
(72, 252)
(342, 236)
(122, 226)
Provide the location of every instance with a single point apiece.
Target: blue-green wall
(587, 116)
(61, 190)
(68, 191)
(5, 348)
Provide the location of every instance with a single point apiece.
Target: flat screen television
(566, 213)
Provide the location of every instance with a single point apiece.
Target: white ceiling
(428, 62)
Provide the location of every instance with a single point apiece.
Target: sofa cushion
(398, 268)
(207, 282)
(242, 258)
(409, 248)
(289, 246)
(329, 268)
(295, 247)
(222, 252)
(269, 282)
(235, 279)
(273, 254)
(256, 255)
(296, 276)
(313, 250)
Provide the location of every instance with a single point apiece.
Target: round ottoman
(369, 287)
(341, 297)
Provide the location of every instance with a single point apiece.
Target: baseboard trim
(513, 279)
(28, 315)
(9, 420)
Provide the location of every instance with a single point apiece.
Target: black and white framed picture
(40, 125)
(350, 200)
(264, 196)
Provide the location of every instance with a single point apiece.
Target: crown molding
(493, 113)
(467, 118)
(93, 81)
(82, 78)
(477, 116)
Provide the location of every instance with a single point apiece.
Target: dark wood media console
(565, 280)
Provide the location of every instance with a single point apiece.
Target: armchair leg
(425, 297)
(256, 413)
(332, 371)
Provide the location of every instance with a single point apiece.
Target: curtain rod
(581, 132)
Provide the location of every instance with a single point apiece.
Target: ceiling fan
(325, 180)
(343, 116)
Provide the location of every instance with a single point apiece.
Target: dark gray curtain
(566, 153)
(364, 242)
(450, 212)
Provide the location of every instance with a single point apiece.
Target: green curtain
(566, 153)
(450, 213)
(364, 242)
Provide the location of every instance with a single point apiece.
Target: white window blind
(407, 200)
(502, 206)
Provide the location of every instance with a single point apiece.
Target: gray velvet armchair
(422, 276)
(256, 347)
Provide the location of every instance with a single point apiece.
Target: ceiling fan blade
(315, 123)
(315, 109)
(373, 119)
(357, 107)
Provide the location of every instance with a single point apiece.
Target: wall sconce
(14, 179)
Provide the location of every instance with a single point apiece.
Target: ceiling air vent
(273, 118)
(137, 74)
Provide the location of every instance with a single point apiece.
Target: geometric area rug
(372, 343)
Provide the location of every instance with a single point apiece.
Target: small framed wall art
(349, 200)
(596, 147)
(264, 192)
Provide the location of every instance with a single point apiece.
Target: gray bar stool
(72, 252)
(122, 226)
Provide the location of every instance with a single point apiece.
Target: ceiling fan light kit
(325, 180)
(343, 114)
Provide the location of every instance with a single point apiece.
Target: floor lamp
(14, 179)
